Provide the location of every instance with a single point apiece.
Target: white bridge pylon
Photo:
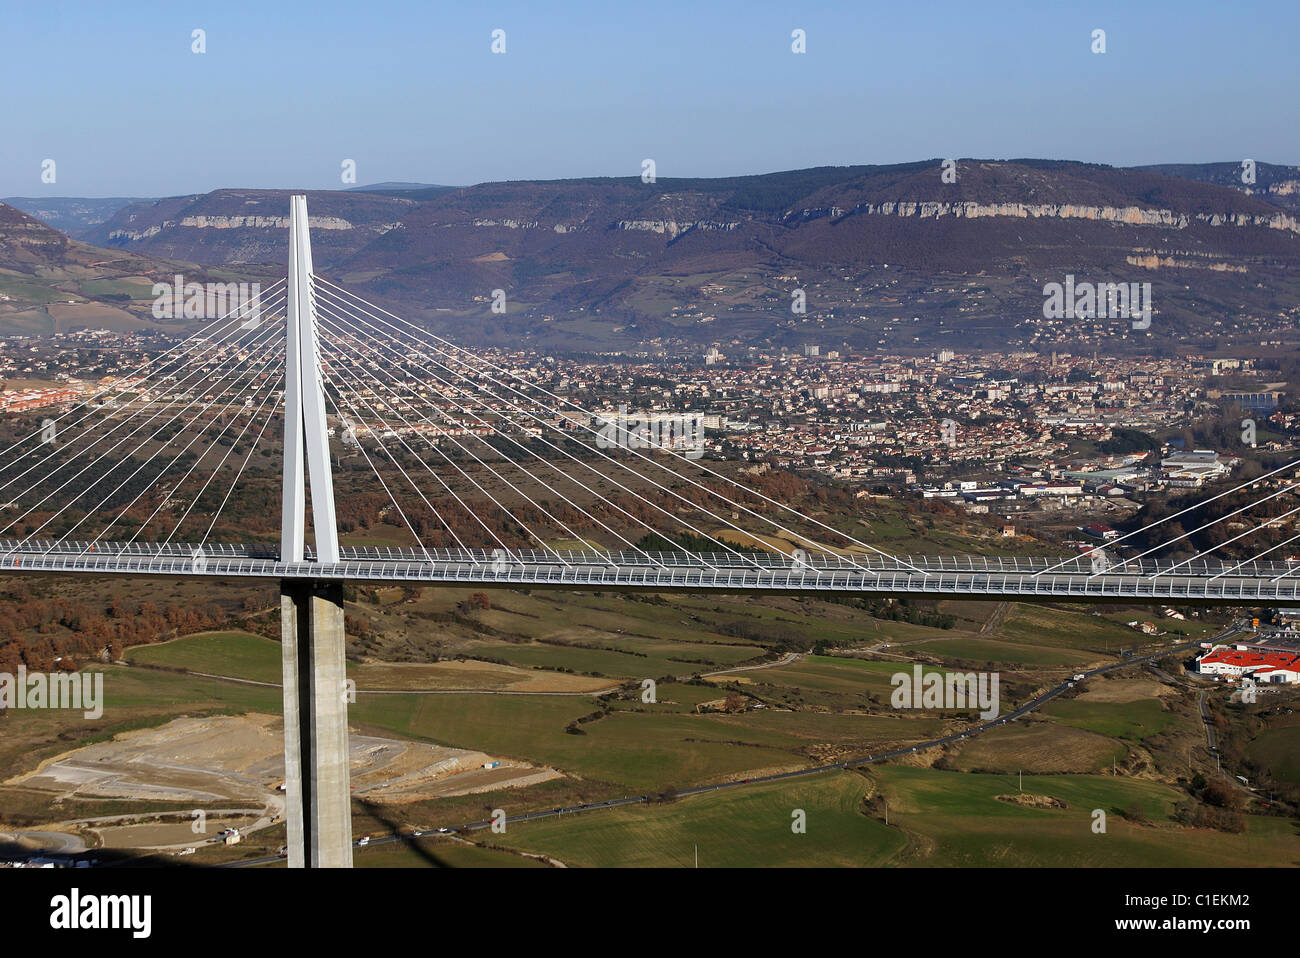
(318, 800)
(306, 443)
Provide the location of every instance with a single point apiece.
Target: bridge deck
(1071, 579)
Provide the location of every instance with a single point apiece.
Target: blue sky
(411, 91)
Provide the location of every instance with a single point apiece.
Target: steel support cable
(1181, 512)
(276, 354)
(81, 452)
(200, 334)
(110, 418)
(633, 493)
(624, 466)
(473, 514)
(464, 474)
(671, 452)
(612, 460)
(527, 499)
(220, 366)
(120, 385)
(414, 485)
(506, 435)
(1202, 528)
(672, 472)
(437, 514)
(90, 464)
(251, 376)
(471, 479)
(1205, 552)
(387, 491)
(1256, 557)
(235, 482)
(334, 320)
(252, 417)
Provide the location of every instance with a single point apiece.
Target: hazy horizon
(284, 94)
(416, 184)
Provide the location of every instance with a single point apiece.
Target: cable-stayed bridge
(200, 462)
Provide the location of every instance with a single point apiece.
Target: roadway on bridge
(1070, 579)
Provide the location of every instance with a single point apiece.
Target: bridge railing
(461, 567)
(817, 564)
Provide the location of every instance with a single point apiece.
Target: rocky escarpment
(674, 228)
(237, 222)
(230, 227)
(1128, 215)
(670, 228)
(1152, 260)
(25, 240)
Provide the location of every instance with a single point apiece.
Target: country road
(276, 685)
(1211, 734)
(994, 621)
(788, 658)
(51, 843)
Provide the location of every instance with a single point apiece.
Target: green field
(135, 288)
(836, 674)
(239, 654)
(29, 292)
(1040, 625)
(1133, 721)
(744, 827)
(962, 823)
(639, 750)
(424, 852)
(637, 745)
(935, 819)
(1007, 653)
(1278, 751)
(1037, 746)
(623, 657)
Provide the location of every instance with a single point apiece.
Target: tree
(1222, 795)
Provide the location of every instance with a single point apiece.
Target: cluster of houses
(19, 400)
(1178, 470)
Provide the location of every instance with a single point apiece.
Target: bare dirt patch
(1032, 801)
(1125, 690)
(187, 760)
(240, 759)
(155, 834)
(1041, 747)
(69, 315)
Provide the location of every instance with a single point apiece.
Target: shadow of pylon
(402, 834)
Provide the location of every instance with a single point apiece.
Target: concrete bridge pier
(318, 811)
